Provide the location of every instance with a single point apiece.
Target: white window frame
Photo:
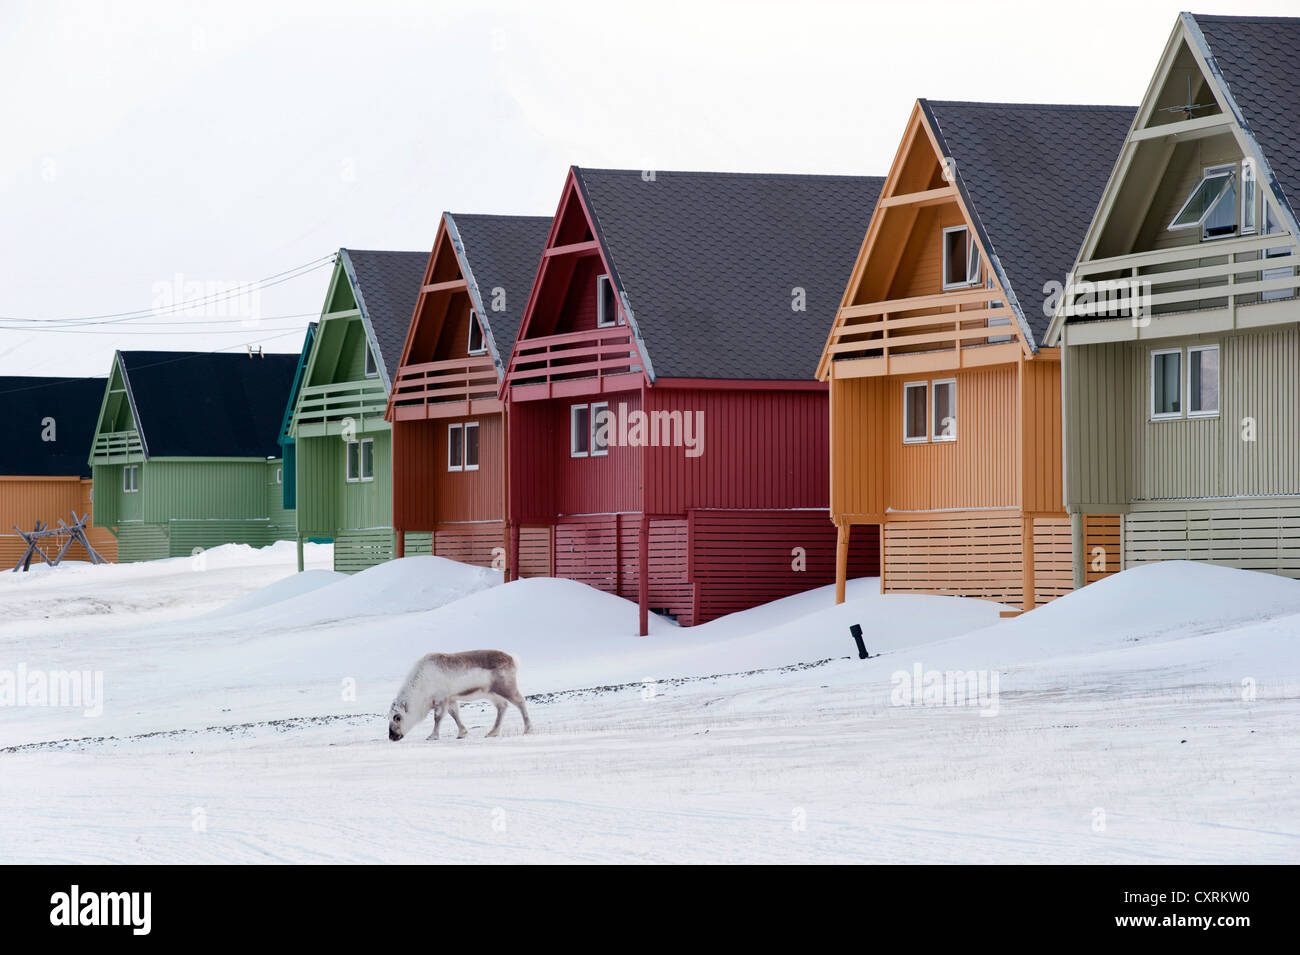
(573, 431)
(1182, 374)
(371, 365)
(279, 475)
(1271, 227)
(1249, 200)
(974, 267)
(362, 477)
(925, 416)
(603, 320)
(464, 445)
(1218, 371)
(482, 338)
(453, 465)
(935, 434)
(1228, 169)
(592, 451)
(131, 486)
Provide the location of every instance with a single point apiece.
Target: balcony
(957, 329)
(444, 389)
(594, 361)
(116, 447)
(323, 408)
(1215, 276)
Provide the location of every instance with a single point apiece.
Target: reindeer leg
(438, 710)
(454, 708)
(500, 704)
(518, 700)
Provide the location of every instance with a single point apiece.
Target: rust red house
(448, 425)
(664, 433)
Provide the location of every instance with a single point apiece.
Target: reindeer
(440, 682)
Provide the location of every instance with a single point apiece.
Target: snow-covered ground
(1148, 718)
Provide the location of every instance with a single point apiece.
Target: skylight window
(1212, 206)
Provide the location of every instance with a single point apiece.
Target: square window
(914, 401)
(579, 431)
(1203, 380)
(606, 302)
(455, 447)
(956, 269)
(1166, 383)
(945, 410)
(471, 446)
(601, 422)
(1212, 204)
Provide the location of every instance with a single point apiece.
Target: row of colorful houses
(1052, 342)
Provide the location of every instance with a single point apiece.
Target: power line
(113, 318)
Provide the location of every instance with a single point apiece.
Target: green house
(342, 444)
(185, 455)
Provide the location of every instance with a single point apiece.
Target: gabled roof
(299, 374)
(208, 404)
(385, 285)
(498, 252)
(709, 264)
(1258, 59)
(72, 404)
(1030, 176)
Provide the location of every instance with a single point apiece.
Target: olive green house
(184, 455)
(342, 444)
(1180, 326)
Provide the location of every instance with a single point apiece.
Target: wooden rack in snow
(70, 533)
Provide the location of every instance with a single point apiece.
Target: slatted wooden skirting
(740, 559)
(139, 541)
(1264, 538)
(602, 551)
(357, 550)
(978, 554)
(1101, 546)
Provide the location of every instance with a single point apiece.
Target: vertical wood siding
(1102, 424)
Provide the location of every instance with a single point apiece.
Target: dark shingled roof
(502, 252)
(1031, 176)
(1259, 58)
(25, 402)
(710, 263)
(209, 404)
(387, 285)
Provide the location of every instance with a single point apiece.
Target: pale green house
(185, 453)
(1180, 332)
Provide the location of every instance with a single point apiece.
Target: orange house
(45, 434)
(945, 406)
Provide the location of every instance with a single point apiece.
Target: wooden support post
(301, 564)
(1027, 546)
(643, 576)
(399, 546)
(842, 533)
(1078, 551)
(512, 552)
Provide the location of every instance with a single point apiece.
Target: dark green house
(342, 444)
(185, 453)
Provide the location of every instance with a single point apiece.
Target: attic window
(606, 302)
(961, 260)
(477, 346)
(1212, 206)
(372, 370)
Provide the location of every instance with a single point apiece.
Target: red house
(448, 422)
(664, 431)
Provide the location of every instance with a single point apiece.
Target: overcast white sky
(147, 145)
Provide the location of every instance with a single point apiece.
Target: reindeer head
(399, 720)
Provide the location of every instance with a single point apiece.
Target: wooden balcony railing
(950, 322)
(1226, 272)
(112, 446)
(433, 383)
(322, 404)
(598, 353)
